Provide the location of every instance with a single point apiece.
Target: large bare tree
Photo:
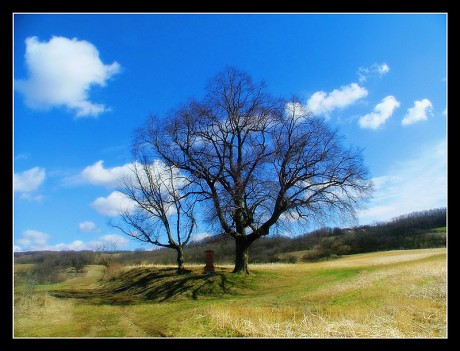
(163, 213)
(257, 160)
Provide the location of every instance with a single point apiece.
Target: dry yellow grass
(360, 260)
(394, 294)
(41, 315)
(404, 297)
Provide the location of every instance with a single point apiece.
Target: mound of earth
(153, 284)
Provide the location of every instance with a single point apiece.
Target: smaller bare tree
(104, 253)
(163, 214)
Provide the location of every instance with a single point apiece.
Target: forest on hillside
(417, 230)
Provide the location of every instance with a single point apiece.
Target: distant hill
(417, 230)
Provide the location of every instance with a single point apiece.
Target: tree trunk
(180, 260)
(241, 255)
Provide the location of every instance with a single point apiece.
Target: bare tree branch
(164, 209)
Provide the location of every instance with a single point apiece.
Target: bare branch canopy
(255, 159)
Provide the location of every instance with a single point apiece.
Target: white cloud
(113, 204)
(114, 177)
(109, 177)
(378, 69)
(88, 227)
(380, 114)
(296, 109)
(111, 239)
(383, 69)
(418, 112)
(321, 103)
(76, 245)
(290, 217)
(32, 240)
(61, 73)
(412, 185)
(200, 236)
(29, 180)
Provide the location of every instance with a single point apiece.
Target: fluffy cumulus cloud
(380, 114)
(115, 177)
(88, 227)
(61, 74)
(376, 69)
(29, 181)
(113, 204)
(97, 174)
(417, 113)
(322, 103)
(32, 240)
(416, 184)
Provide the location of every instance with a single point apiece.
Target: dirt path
(127, 323)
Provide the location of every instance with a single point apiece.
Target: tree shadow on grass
(147, 285)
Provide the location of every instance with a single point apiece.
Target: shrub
(314, 255)
(292, 259)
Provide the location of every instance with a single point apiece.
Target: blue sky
(84, 82)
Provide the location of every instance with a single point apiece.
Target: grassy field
(393, 294)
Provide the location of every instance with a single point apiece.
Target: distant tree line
(417, 230)
(49, 265)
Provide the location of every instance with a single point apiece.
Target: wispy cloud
(296, 109)
(61, 73)
(322, 103)
(380, 114)
(88, 227)
(414, 185)
(33, 240)
(113, 204)
(376, 69)
(31, 197)
(18, 157)
(417, 113)
(111, 239)
(29, 181)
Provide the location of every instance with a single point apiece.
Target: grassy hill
(384, 294)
